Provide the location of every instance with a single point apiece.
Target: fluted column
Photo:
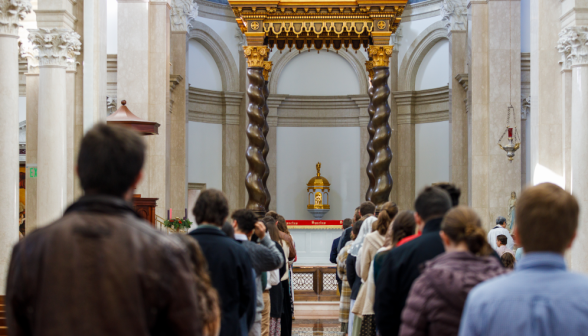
(11, 12)
(378, 147)
(57, 48)
(256, 56)
(267, 67)
(573, 42)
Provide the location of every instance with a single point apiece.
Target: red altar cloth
(314, 224)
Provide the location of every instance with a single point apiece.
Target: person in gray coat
(263, 253)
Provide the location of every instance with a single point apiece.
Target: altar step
(305, 310)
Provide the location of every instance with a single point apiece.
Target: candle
(510, 132)
(185, 213)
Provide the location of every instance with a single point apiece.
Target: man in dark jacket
(228, 262)
(101, 269)
(333, 257)
(402, 264)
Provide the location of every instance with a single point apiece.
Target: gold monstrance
(318, 189)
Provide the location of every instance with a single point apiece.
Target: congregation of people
(431, 270)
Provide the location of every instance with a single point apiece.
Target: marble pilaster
(495, 42)
(455, 14)
(32, 101)
(11, 13)
(57, 49)
(547, 118)
(158, 153)
(70, 79)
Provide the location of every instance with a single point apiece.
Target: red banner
(314, 224)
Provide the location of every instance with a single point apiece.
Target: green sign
(32, 172)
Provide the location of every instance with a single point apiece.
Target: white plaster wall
(432, 153)
(434, 69)
(318, 74)
(313, 247)
(525, 26)
(228, 32)
(412, 29)
(203, 73)
(111, 26)
(22, 108)
(205, 154)
(298, 151)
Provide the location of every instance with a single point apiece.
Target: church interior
(305, 108)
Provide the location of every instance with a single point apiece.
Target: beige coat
(373, 242)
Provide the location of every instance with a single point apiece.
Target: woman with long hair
(207, 296)
(437, 297)
(290, 250)
(373, 241)
(403, 226)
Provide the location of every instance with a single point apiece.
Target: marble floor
(316, 327)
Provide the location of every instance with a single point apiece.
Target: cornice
(422, 10)
(525, 61)
(425, 106)
(215, 11)
(214, 107)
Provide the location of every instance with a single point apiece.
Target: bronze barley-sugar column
(256, 55)
(379, 127)
(371, 131)
(267, 67)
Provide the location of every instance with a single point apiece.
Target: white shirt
(497, 231)
(273, 278)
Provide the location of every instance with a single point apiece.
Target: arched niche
(433, 71)
(203, 72)
(219, 51)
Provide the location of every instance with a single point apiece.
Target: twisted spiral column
(254, 182)
(379, 127)
(371, 131)
(267, 67)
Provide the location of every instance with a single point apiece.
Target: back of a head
(272, 229)
(367, 208)
(508, 260)
(462, 224)
(110, 160)
(432, 202)
(228, 230)
(356, 215)
(546, 218)
(502, 239)
(356, 227)
(347, 222)
(389, 211)
(282, 225)
(211, 207)
(272, 214)
(246, 220)
(403, 226)
(453, 191)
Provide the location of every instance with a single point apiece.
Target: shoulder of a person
(493, 289)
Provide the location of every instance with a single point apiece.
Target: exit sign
(32, 170)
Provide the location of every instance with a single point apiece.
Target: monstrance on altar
(318, 189)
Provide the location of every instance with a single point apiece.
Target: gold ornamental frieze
(380, 55)
(256, 56)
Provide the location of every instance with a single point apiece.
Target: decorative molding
(463, 80)
(455, 13)
(56, 46)
(380, 55)
(525, 61)
(422, 10)
(525, 107)
(416, 52)
(572, 46)
(196, 186)
(318, 111)
(215, 11)
(30, 54)
(256, 55)
(426, 106)
(356, 61)
(182, 13)
(214, 107)
(221, 54)
(174, 80)
(111, 75)
(396, 38)
(110, 105)
(11, 12)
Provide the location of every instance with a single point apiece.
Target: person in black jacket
(333, 258)
(229, 265)
(402, 264)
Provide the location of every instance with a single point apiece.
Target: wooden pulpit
(145, 207)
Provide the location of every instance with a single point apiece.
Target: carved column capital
(572, 45)
(455, 12)
(396, 38)
(56, 46)
(28, 52)
(256, 55)
(525, 107)
(11, 12)
(182, 13)
(380, 55)
(267, 68)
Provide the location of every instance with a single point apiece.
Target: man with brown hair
(540, 297)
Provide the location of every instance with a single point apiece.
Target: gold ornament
(369, 65)
(380, 55)
(318, 189)
(381, 24)
(267, 67)
(254, 25)
(256, 55)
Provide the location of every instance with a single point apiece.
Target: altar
(313, 239)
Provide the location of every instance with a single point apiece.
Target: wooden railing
(314, 283)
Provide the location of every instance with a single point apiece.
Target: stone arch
(357, 62)
(227, 67)
(416, 52)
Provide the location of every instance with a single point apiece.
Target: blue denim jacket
(540, 297)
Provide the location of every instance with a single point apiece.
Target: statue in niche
(318, 199)
(512, 204)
